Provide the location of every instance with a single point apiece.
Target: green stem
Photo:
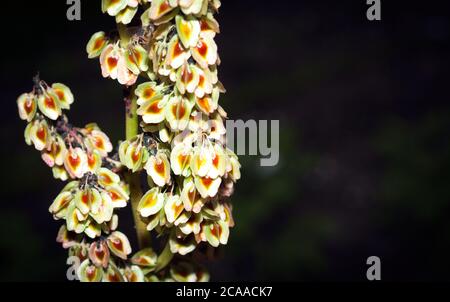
(132, 129)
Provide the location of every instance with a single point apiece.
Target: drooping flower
(75, 162)
(151, 203)
(114, 65)
(87, 205)
(27, 106)
(123, 10)
(96, 44)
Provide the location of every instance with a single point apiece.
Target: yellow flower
(158, 168)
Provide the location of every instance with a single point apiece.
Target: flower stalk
(131, 131)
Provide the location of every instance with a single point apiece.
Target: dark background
(364, 114)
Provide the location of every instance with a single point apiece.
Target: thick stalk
(132, 129)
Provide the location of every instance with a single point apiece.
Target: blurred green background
(364, 162)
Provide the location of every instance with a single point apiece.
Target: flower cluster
(105, 259)
(69, 151)
(100, 259)
(190, 172)
(87, 204)
(117, 62)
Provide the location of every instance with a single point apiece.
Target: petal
(228, 215)
(153, 222)
(118, 244)
(126, 15)
(49, 105)
(112, 274)
(93, 230)
(66, 238)
(151, 203)
(198, 205)
(182, 245)
(146, 91)
(194, 8)
(99, 253)
(188, 272)
(189, 195)
(58, 150)
(123, 147)
(103, 210)
(180, 158)
(124, 75)
(192, 226)
(206, 104)
(212, 234)
(64, 94)
(207, 187)
(173, 208)
(75, 220)
(187, 79)
(204, 85)
(146, 257)
(134, 274)
(113, 7)
(107, 178)
(188, 30)
(184, 3)
(94, 161)
(216, 128)
(118, 196)
(48, 158)
(86, 198)
(234, 169)
(201, 161)
(100, 142)
(209, 26)
(183, 218)
(205, 52)
(219, 162)
(136, 157)
(60, 204)
(152, 111)
(27, 133)
(137, 57)
(75, 162)
(177, 55)
(39, 135)
(59, 172)
(109, 61)
(96, 44)
(177, 112)
(159, 8)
